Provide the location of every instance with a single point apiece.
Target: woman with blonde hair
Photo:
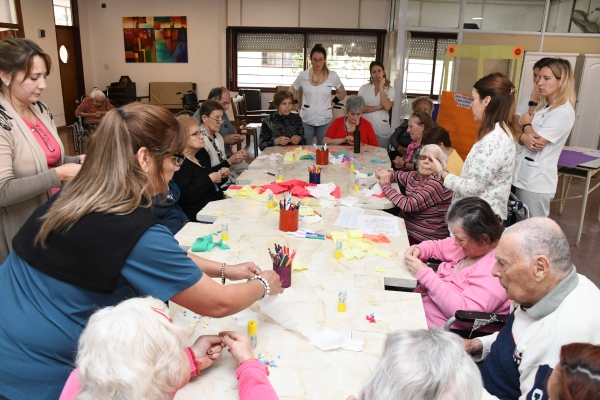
(543, 136)
(316, 83)
(95, 244)
(33, 164)
(488, 169)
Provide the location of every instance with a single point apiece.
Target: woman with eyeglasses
(95, 244)
(317, 106)
(464, 279)
(418, 123)
(198, 182)
(33, 164)
(211, 118)
(423, 200)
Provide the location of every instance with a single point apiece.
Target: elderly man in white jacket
(552, 305)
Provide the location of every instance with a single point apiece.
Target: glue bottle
(351, 165)
(356, 184)
(280, 175)
(342, 296)
(270, 203)
(224, 232)
(252, 329)
(338, 248)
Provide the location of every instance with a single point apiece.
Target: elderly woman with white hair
(341, 130)
(150, 360)
(423, 364)
(93, 108)
(423, 200)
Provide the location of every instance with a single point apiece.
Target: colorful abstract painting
(155, 39)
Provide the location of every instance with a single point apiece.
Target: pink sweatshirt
(444, 292)
(254, 384)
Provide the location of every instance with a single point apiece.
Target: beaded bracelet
(265, 284)
(223, 273)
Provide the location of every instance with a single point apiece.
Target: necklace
(316, 82)
(192, 159)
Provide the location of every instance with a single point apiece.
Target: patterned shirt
(487, 172)
(277, 125)
(423, 207)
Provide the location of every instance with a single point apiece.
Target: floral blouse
(487, 172)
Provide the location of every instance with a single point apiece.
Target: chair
(242, 118)
(495, 321)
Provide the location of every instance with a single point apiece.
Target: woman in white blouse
(543, 136)
(379, 100)
(317, 83)
(488, 170)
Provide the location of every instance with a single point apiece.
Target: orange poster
(455, 115)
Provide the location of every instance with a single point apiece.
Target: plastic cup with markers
(314, 174)
(282, 258)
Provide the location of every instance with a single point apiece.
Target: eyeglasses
(196, 133)
(44, 137)
(178, 159)
(219, 120)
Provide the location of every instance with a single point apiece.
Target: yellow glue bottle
(351, 165)
(342, 296)
(252, 329)
(224, 232)
(270, 203)
(356, 185)
(280, 175)
(338, 248)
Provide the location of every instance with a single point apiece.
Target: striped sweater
(423, 208)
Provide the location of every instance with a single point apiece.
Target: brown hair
(186, 122)
(424, 119)
(16, 55)
(111, 180)
(578, 373)
(318, 48)
(501, 108)
(208, 106)
(422, 99)
(280, 97)
(378, 64)
(437, 135)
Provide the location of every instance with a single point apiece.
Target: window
(265, 58)
(425, 66)
(62, 12)
(11, 24)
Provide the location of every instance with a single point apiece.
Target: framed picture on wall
(155, 39)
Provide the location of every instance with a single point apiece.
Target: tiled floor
(586, 256)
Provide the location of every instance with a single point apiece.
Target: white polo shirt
(537, 171)
(316, 100)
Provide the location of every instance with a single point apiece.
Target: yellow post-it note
(337, 235)
(355, 233)
(298, 266)
(305, 210)
(220, 212)
(380, 269)
(379, 252)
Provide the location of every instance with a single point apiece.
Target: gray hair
(131, 351)
(355, 104)
(97, 94)
(543, 236)
(441, 156)
(424, 364)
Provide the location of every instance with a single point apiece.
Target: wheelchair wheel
(184, 112)
(79, 137)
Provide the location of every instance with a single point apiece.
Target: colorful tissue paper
(205, 243)
(380, 238)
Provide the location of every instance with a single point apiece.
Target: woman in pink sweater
(134, 351)
(464, 279)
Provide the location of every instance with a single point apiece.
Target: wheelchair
(81, 132)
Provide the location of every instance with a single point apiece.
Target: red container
(285, 275)
(288, 220)
(322, 157)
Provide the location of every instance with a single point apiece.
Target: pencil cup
(285, 275)
(288, 220)
(314, 178)
(322, 157)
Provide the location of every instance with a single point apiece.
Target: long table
(303, 371)
(339, 174)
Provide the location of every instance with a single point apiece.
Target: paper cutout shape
(205, 243)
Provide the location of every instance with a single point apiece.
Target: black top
(91, 253)
(277, 125)
(197, 189)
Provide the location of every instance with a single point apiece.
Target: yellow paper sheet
(295, 155)
(298, 266)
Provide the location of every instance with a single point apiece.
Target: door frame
(77, 40)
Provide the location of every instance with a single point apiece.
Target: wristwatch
(532, 103)
(439, 174)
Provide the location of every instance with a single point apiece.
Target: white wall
(39, 14)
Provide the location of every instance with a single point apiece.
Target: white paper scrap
(375, 225)
(348, 217)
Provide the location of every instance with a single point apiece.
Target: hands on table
(384, 175)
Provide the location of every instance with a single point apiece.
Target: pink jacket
(254, 384)
(444, 293)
